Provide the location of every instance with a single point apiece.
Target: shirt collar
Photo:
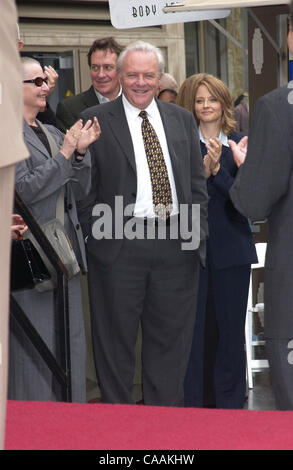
(133, 112)
(222, 138)
(103, 99)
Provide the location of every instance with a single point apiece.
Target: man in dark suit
(134, 274)
(102, 59)
(264, 190)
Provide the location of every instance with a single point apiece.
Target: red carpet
(63, 426)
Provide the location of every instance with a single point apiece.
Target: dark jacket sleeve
(264, 177)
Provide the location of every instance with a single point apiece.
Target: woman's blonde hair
(188, 91)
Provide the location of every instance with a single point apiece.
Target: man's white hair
(145, 47)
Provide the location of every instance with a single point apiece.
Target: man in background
(12, 150)
(241, 113)
(102, 59)
(167, 81)
(168, 88)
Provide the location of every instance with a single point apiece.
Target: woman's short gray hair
(145, 47)
(28, 61)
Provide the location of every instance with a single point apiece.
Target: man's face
(140, 78)
(34, 97)
(103, 72)
(168, 96)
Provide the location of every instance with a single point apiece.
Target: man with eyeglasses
(102, 59)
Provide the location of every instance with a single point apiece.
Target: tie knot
(143, 115)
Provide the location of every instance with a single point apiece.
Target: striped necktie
(161, 189)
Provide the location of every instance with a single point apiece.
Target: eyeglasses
(38, 81)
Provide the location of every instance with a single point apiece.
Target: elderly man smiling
(149, 155)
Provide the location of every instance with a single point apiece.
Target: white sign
(138, 13)
(215, 4)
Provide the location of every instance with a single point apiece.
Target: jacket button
(69, 207)
(77, 226)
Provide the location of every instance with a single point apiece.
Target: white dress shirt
(222, 138)
(144, 198)
(103, 99)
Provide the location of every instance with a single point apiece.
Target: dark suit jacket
(230, 239)
(264, 189)
(68, 111)
(114, 168)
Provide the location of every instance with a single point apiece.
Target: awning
(206, 5)
(139, 13)
(191, 5)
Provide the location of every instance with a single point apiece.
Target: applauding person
(39, 180)
(216, 371)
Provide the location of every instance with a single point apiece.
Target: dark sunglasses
(38, 81)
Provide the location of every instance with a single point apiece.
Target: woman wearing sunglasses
(39, 180)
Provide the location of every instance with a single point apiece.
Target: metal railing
(61, 369)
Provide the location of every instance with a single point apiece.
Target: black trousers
(216, 374)
(153, 282)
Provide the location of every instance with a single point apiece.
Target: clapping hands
(79, 137)
(211, 160)
(89, 133)
(239, 150)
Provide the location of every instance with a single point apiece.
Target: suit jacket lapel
(170, 124)
(119, 126)
(31, 139)
(90, 98)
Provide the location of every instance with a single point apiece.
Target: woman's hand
(90, 132)
(18, 227)
(214, 152)
(239, 150)
(70, 139)
(79, 137)
(52, 77)
(206, 164)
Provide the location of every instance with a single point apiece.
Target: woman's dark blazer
(230, 238)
